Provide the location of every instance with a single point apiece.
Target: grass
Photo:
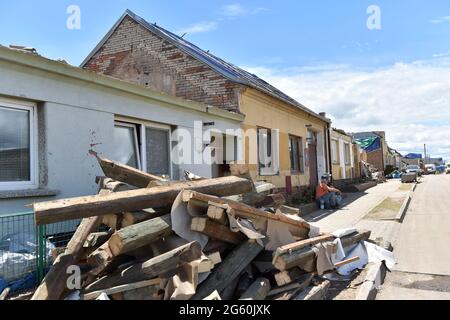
(405, 187)
(387, 209)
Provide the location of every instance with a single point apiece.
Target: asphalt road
(422, 248)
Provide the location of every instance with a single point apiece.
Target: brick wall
(135, 54)
(376, 158)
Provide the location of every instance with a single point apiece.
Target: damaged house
(53, 116)
(283, 142)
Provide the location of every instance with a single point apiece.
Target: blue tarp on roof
(413, 156)
(369, 144)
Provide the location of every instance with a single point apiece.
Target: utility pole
(425, 152)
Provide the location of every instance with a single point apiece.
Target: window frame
(300, 154)
(335, 151)
(141, 139)
(347, 155)
(33, 183)
(136, 140)
(266, 170)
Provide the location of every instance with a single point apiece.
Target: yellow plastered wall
(262, 110)
(337, 169)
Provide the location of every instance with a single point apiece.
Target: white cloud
(238, 10)
(411, 102)
(199, 27)
(440, 20)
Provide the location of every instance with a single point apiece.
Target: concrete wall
(75, 117)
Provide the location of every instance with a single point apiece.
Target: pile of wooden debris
(197, 239)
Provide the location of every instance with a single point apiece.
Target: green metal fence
(26, 249)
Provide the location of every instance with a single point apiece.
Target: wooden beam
(54, 283)
(139, 235)
(128, 239)
(288, 276)
(229, 269)
(126, 174)
(119, 289)
(317, 292)
(218, 213)
(303, 243)
(258, 290)
(96, 239)
(243, 210)
(133, 200)
(292, 289)
(216, 231)
(162, 264)
(305, 255)
(130, 218)
(4, 294)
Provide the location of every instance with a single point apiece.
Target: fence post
(40, 254)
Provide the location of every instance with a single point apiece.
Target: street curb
(402, 212)
(374, 279)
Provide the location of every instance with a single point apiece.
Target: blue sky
(320, 52)
(286, 33)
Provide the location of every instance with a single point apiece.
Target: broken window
(296, 154)
(126, 147)
(17, 146)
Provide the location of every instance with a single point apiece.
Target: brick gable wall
(134, 54)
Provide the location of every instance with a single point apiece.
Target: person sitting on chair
(327, 197)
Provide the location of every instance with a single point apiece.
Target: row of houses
(150, 99)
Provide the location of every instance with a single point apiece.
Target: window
(296, 153)
(126, 147)
(18, 160)
(268, 151)
(334, 151)
(157, 151)
(144, 146)
(347, 153)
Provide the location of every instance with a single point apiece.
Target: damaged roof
(226, 69)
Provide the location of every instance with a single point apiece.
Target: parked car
(447, 168)
(430, 169)
(414, 169)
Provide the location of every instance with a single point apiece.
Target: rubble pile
(195, 239)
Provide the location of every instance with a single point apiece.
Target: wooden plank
(133, 200)
(317, 292)
(303, 243)
(216, 231)
(54, 283)
(126, 174)
(288, 276)
(243, 210)
(305, 255)
(4, 294)
(130, 218)
(258, 290)
(127, 240)
(122, 288)
(162, 264)
(229, 269)
(96, 239)
(299, 285)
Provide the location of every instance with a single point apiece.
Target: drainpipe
(328, 147)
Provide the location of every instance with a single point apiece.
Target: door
(312, 155)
